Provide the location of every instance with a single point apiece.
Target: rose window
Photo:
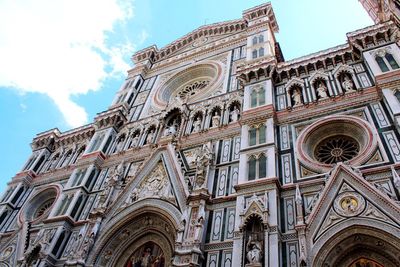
(192, 84)
(193, 88)
(333, 139)
(335, 149)
(44, 207)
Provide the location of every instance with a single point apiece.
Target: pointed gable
(160, 178)
(346, 196)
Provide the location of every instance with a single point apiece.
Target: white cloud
(59, 48)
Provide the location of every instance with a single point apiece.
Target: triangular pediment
(199, 37)
(159, 178)
(348, 196)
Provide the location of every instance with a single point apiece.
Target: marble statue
(235, 114)
(296, 96)
(135, 141)
(149, 138)
(322, 91)
(197, 125)
(254, 252)
(347, 84)
(215, 119)
(202, 160)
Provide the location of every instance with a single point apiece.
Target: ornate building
(218, 152)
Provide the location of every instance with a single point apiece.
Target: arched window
(60, 244)
(254, 54)
(65, 201)
(257, 167)
(257, 97)
(261, 38)
(79, 154)
(76, 211)
(262, 166)
(389, 57)
(254, 40)
(17, 195)
(39, 164)
(253, 100)
(381, 64)
(261, 96)
(252, 168)
(257, 135)
(261, 52)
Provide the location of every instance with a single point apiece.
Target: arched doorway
(360, 247)
(148, 237)
(365, 262)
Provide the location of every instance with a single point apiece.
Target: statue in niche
(215, 119)
(54, 161)
(111, 182)
(135, 140)
(322, 91)
(296, 96)
(253, 254)
(120, 144)
(172, 129)
(347, 84)
(202, 161)
(88, 241)
(197, 125)
(150, 136)
(235, 114)
(67, 158)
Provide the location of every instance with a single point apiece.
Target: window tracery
(385, 61)
(44, 208)
(193, 88)
(257, 167)
(254, 54)
(261, 52)
(338, 148)
(257, 97)
(257, 135)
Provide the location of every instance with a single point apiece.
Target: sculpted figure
(215, 119)
(197, 125)
(235, 114)
(133, 196)
(149, 138)
(202, 160)
(120, 144)
(112, 180)
(54, 161)
(253, 251)
(347, 84)
(296, 96)
(322, 91)
(135, 141)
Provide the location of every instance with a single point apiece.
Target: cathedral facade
(218, 152)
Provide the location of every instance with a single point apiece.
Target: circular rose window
(39, 205)
(191, 84)
(336, 139)
(338, 148)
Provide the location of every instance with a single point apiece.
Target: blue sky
(62, 61)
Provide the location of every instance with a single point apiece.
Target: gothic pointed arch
(162, 163)
(352, 209)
